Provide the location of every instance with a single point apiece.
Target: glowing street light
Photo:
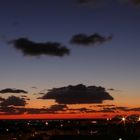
(108, 119)
(46, 123)
(123, 119)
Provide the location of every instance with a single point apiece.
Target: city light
(123, 119)
(46, 123)
(48, 128)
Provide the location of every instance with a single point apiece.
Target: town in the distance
(116, 128)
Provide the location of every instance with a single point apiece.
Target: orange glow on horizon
(64, 116)
(52, 116)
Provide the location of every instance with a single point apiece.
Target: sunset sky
(51, 50)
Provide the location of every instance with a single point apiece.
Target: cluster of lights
(124, 119)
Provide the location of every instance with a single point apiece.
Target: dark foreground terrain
(84, 129)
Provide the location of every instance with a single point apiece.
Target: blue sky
(113, 64)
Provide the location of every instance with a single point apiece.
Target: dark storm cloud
(86, 40)
(10, 90)
(78, 94)
(31, 48)
(13, 101)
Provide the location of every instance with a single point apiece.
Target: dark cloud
(53, 109)
(58, 107)
(84, 110)
(82, 1)
(78, 94)
(112, 89)
(81, 110)
(2, 99)
(135, 109)
(41, 93)
(10, 90)
(91, 3)
(113, 108)
(34, 87)
(136, 2)
(24, 96)
(97, 3)
(36, 111)
(13, 101)
(108, 109)
(122, 108)
(12, 110)
(87, 110)
(86, 40)
(104, 3)
(31, 48)
(105, 105)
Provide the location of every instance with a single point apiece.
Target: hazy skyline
(89, 42)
